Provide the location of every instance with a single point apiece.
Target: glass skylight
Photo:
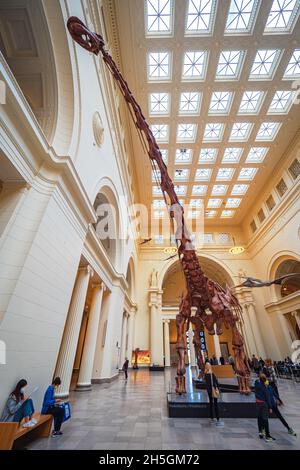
(240, 131)
(219, 190)
(227, 214)
(232, 203)
(156, 191)
(156, 176)
(160, 132)
(180, 190)
(203, 174)
(183, 156)
(159, 66)
(181, 175)
(220, 102)
(247, 173)
(189, 103)
(283, 16)
(199, 190)
(194, 65)
(186, 132)
(282, 102)
(164, 154)
(241, 16)
(200, 16)
(213, 132)
(251, 102)
(159, 239)
(210, 214)
(214, 203)
(257, 155)
(232, 155)
(239, 189)
(230, 65)
(159, 103)
(159, 204)
(293, 68)
(160, 214)
(225, 174)
(194, 214)
(196, 203)
(268, 131)
(265, 63)
(208, 155)
(159, 17)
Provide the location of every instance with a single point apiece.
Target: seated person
(51, 407)
(19, 406)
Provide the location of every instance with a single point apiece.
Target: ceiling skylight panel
(199, 190)
(251, 102)
(293, 68)
(213, 132)
(181, 175)
(156, 176)
(208, 155)
(227, 214)
(194, 65)
(247, 173)
(164, 154)
(160, 132)
(225, 174)
(210, 214)
(219, 190)
(283, 16)
(159, 103)
(232, 155)
(156, 191)
(159, 204)
(189, 103)
(196, 203)
(214, 203)
(265, 63)
(230, 65)
(159, 66)
(241, 16)
(203, 174)
(180, 190)
(239, 189)
(268, 131)
(282, 102)
(200, 17)
(220, 102)
(257, 155)
(233, 203)
(183, 156)
(240, 131)
(159, 17)
(186, 132)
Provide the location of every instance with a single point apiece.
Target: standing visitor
(231, 362)
(274, 399)
(264, 407)
(213, 391)
(261, 364)
(255, 364)
(19, 406)
(51, 407)
(125, 368)
(269, 372)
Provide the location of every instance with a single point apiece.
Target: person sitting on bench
(19, 406)
(51, 407)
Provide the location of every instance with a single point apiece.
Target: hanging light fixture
(170, 250)
(236, 250)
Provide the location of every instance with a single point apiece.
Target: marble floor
(133, 415)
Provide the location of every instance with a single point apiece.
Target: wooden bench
(11, 432)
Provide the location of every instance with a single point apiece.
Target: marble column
(131, 322)
(249, 334)
(66, 357)
(297, 318)
(89, 348)
(217, 346)
(167, 343)
(192, 347)
(255, 328)
(286, 333)
(124, 338)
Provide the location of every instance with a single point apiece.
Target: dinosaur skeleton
(214, 305)
(252, 282)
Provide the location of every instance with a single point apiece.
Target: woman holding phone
(19, 406)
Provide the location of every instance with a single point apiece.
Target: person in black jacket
(125, 367)
(212, 385)
(264, 402)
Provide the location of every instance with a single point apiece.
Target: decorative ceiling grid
(214, 79)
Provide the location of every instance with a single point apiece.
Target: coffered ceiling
(216, 81)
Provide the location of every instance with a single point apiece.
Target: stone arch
(107, 194)
(130, 278)
(282, 263)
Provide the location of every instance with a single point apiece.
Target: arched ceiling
(214, 78)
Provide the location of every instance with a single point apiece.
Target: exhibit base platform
(224, 387)
(196, 405)
(156, 368)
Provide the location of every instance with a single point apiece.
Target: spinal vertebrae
(202, 293)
